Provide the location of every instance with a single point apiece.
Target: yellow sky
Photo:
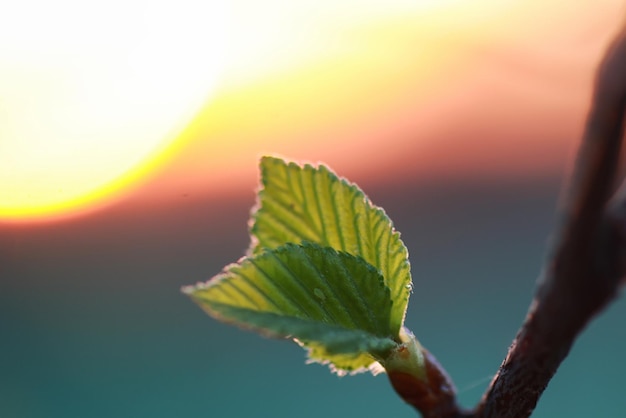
(363, 85)
(93, 91)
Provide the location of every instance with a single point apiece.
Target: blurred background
(129, 140)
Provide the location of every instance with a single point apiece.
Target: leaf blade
(333, 303)
(336, 340)
(305, 203)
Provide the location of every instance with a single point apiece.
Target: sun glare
(92, 95)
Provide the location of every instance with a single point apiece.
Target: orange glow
(480, 89)
(383, 86)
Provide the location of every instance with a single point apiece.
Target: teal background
(92, 322)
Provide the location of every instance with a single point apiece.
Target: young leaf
(333, 303)
(306, 203)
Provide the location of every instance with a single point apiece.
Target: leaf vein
(285, 225)
(314, 185)
(286, 296)
(307, 230)
(356, 217)
(333, 203)
(297, 280)
(361, 298)
(260, 291)
(324, 280)
(306, 212)
(238, 290)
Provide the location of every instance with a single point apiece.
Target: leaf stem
(419, 379)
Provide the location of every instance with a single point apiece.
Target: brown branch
(433, 395)
(584, 273)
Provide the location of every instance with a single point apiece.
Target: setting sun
(95, 99)
(93, 96)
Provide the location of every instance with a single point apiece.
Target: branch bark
(584, 273)
(582, 276)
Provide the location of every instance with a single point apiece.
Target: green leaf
(333, 303)
(307, 203)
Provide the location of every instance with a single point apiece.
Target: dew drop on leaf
(318, 292)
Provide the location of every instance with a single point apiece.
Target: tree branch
(433, 395)
(581, 277)
(584, 273)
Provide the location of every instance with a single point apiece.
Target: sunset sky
(421, 88)
(130, 135)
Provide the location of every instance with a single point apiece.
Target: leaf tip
(267, 161)
(192, 289)
(187, 290)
